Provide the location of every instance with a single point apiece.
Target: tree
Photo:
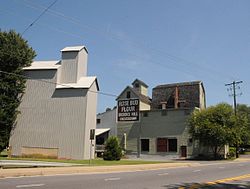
(15, 54)
(112, 149)
(217, 126)
(244, 110)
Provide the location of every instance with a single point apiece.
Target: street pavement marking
(195, 171)
(221, 167)
(112, 179)
(162, 174)
(225, 180)
(29, 185)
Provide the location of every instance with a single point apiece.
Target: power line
(39, 16)
(170, 57)
(135, 44)
(51, 82)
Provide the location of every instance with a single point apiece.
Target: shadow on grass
(238, 185)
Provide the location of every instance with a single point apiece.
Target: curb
(49, 171)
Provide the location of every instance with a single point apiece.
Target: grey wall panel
(82, 64)
(90, 119)
(49, 118)
(173, 124)
(108, 120)
(69, 67)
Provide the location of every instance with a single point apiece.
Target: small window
(128, 94)
(98, 121)
(145, 145)
(145, 114)
(172, 145)
(137, 85)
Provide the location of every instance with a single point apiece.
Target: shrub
(232, 152)
(112, 149)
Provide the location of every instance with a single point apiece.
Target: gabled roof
(83, 82)
(141, 97)
(43, 65)
(74, 48)
(141, 82)
(179, 84)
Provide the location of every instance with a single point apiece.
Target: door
(183, 151)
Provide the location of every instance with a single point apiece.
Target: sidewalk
(88, 169)
(17, 172)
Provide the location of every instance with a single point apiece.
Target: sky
(156, 41)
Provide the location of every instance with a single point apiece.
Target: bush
(232, 152)
(112, 149)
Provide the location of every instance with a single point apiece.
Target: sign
(92, 134)
(128, 110)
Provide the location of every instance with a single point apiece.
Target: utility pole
(234, 84)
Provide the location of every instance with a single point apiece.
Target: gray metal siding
(108, 120)
(91, 107)
(50, 118)
(172, 125)
(82, 64)
(69, 67)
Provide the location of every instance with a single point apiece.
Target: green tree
(244, 110)
(113, 150)
(15, 54)
(217, 126)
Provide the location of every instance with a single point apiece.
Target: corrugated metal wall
(51, 118)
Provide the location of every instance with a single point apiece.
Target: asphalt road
(208, 175)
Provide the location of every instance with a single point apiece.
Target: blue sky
(158, 42)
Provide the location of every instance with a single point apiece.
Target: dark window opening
(98, 121)
(172, 145)
(170, 102)
(137, 85)
(128, 94)
(100, 140)
(145, 145)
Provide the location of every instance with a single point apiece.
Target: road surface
(208, 175)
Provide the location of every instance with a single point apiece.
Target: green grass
(4, 153)
(96, 162)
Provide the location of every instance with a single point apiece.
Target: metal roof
(83, 82)
(179, 84)
(141, 82)
(100, 131)
(43, 65)
(74, 48)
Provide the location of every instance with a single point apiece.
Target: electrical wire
(175, 59)
(172, 59)
(51, 82)
(26, 29)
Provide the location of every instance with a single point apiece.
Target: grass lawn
(3, 154)
(97, 162)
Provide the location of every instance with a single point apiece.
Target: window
(128, 94)
(162, 144)
(98, 121)
(172, 145)
(166, 145)
(145, 114)
(145, 145)
(137, 85)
